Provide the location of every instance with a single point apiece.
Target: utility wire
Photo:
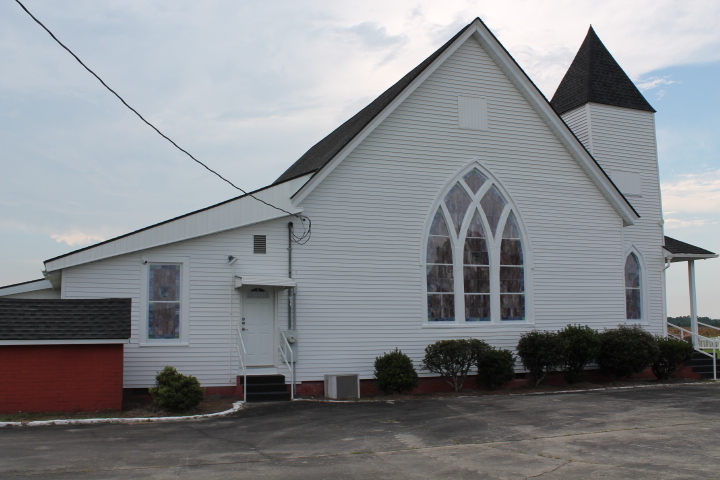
(298, 239)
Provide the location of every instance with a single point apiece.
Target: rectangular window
(164, 301)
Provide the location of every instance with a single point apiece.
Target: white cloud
(675, 223)
(77, 238)
(694, 193)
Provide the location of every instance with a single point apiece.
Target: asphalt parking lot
(657, 432)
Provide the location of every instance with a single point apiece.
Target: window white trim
(184, 263)
(493, 244)
(644, 301)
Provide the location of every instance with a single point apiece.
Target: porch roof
(678, 251)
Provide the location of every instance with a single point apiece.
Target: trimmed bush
(452, 359)
(672, 353)
(626, 350)
(580, 346)
(496, 367)
(541, 353)
(175, 391)
(394, 373)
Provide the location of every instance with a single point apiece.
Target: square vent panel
(342, 386)
(259, 244)
(472, 113)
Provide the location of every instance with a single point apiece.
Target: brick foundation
(437, 384)
(60, 378)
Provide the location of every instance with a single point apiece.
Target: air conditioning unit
(342, 386)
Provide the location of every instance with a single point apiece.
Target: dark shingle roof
(595, 76)
(45, 319)
(326, 149)
(678, 247)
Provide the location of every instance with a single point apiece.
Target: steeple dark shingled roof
(326, 149)
(595, 76)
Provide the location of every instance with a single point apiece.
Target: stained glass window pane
(511, 252)
(476, 229)
(475, 252)
(632, 272)
(493, 204)
(632, 303)
(512, 279)
(476, 279)
(441, 308)
(439, 227)
(439, 250)
(457, 202)
(439, 278)
(164, 283)
(474, 180)
(512, 307)
(511, 229)
(164, 320)
(477, 308)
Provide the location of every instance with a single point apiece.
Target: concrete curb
(87, 421)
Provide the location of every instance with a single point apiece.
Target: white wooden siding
(624, 140)
(360, 276)
(214, 302)
(236, 213)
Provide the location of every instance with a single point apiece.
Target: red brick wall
(60, 378)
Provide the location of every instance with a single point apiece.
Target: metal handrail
(697, 339)
(242, 353)
(709, 326)
(288, 364)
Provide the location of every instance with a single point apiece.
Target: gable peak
(595, 76)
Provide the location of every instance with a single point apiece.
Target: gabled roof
(594, 76)
(31, 319)
(681, 251)
(322, 158)
(326, 149)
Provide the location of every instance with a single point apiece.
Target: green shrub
(580, 346)
(394, 373)
(626, 350)
(496, 367)
(452, 359)
(541, 353)
(175, 391)
(672, 352)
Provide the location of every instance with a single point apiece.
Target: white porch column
(693, 301)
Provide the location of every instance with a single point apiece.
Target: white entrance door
(259, 325)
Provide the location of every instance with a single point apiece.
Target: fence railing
(285, 347)
(699, 342)
(242, 354)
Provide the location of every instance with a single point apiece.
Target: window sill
(163, 344)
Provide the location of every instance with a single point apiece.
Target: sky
(248, 87)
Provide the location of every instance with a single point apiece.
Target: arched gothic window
(475, 267)
(633, 285)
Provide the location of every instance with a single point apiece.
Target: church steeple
(594, 76)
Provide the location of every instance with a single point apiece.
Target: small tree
(672, 353)
(580, 346)
(394, 373)
(541, 353)
(496, 367)
(452, 359)
(626, 350)
(175, 391)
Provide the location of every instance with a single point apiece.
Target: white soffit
(239, 212)
(32, 286)
(263, 281)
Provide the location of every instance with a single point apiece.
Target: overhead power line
(298, 239)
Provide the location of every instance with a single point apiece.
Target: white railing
(242, 354)
(700, 343)
(285, 347)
